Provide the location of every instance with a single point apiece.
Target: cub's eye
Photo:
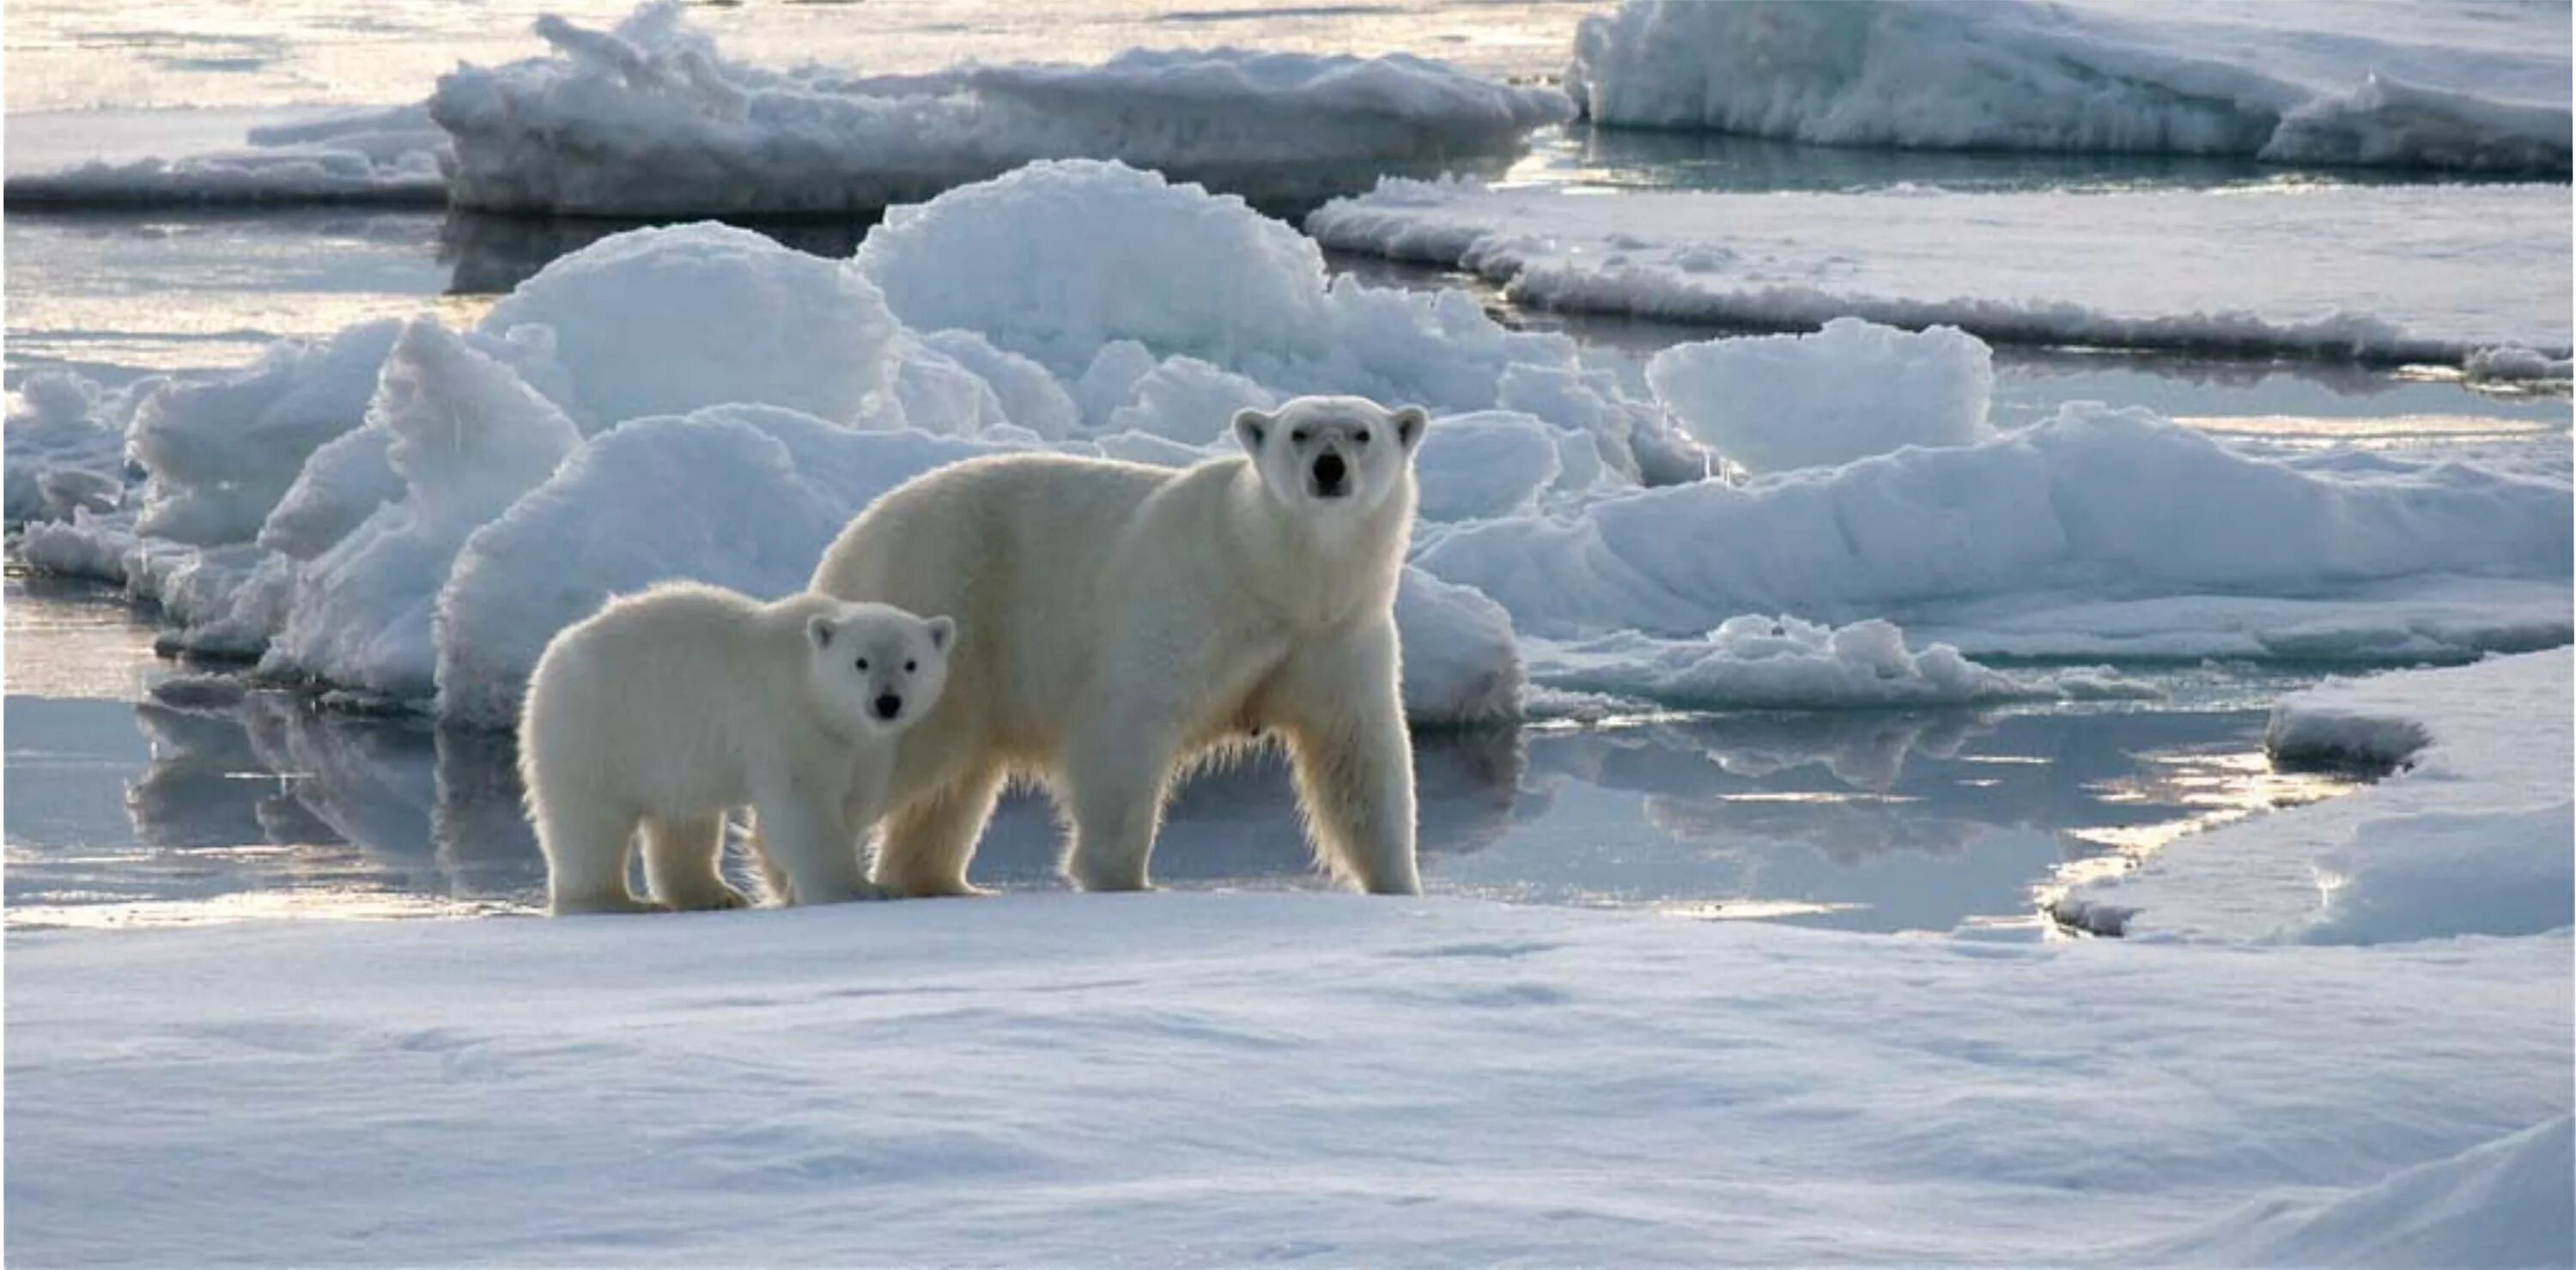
(863, 663)
(909, 667)
(1360, 436)
(1299, 436)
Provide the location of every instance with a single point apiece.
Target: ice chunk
(2479, 90)
(1752, 662)
(1098, 272)
(665, 320)
(66, 449)
(2093, 505)
(221, 453)
(2377, 273)
(1460, 663)
(1187, 400)
(1485, 465)
(467, 438)
(1849, 391)
(651, 119)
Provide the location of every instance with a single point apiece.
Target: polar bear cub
(669, 707)
(1131, 619)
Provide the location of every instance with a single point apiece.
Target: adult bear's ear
(1251, 427)
(1409, 422)
(942, 630)
(818, 628)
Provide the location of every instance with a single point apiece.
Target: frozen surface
(1848, 391)
(2472, 86)
(2373, 273)
(2470, 836)
(651, 119)
(387, 156)
(1103, 1073)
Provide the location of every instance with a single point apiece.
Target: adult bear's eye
(909, 667)
(1361, 436)
(1299, 436)
(863, 663)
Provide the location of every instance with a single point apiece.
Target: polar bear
(1134, 620)
(668, 707)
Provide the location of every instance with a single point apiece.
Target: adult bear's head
(1333, 456)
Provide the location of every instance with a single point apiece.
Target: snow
(389, 156)
(2089, 507)
(2469, 838)
(652, 119)
(2468, 87)
(759, 323)
(1848, 391)
(2500, 1203)
(2376, 273)
(1226, 1078)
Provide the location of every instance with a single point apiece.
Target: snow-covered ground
(2380, 273)
(589, 437)
(2479, 86)
(2471, 835)
(1226, 1078)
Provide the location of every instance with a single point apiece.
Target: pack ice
(407, 513)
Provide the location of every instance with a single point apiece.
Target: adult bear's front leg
(1343, 713)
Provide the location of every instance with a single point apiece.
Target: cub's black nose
(889, 705)
(1329, 474)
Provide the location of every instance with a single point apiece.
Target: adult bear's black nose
(1330, 472)
(889, 705)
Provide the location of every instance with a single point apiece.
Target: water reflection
(124, 814)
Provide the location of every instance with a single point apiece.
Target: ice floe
(2469, 87)
(2367, 273)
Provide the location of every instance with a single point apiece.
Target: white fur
(1131, 619)
(668, 708)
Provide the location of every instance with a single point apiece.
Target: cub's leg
(587, 850)
(806, 838)
(1343, 716)
(928, 842)
(683, 861)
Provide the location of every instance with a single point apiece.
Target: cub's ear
(1251, 427)
(819, 629)
(1409, 422)
(942, 631)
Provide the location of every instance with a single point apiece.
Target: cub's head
(875, 668)
(1332, 455)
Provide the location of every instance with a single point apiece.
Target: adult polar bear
(1121, 621)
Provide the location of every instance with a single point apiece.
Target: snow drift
(2472, 88)
(651, 119)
